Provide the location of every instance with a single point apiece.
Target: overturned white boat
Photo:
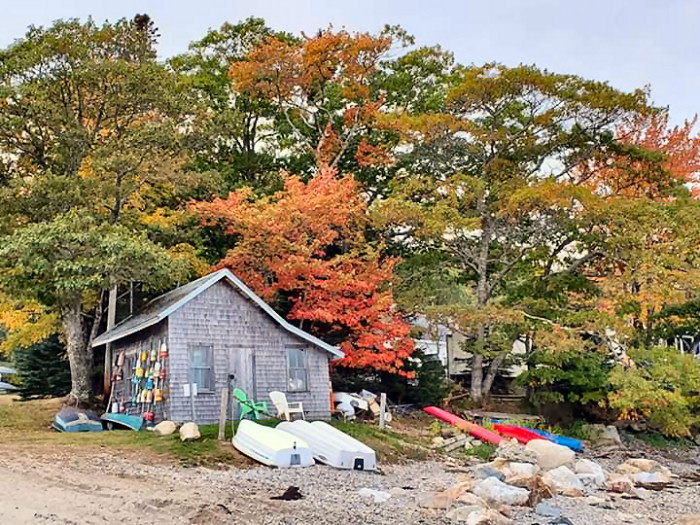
(331, 446)
(271, 446)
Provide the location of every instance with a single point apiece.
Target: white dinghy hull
(271, 446)
(331, 446)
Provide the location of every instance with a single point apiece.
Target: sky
(629, 43)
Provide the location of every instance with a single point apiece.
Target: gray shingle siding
(246, 342)
(132, 346)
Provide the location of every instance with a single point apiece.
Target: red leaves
(306, 243)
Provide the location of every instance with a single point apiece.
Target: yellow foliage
(25, 323)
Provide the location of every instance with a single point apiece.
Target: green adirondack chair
(248, 406)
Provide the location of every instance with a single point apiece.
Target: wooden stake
(382, 410)
(222, 414)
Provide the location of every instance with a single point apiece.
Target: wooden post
(222, 414)
(382, 410)
(111, 318)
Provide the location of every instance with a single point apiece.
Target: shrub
(663, 389)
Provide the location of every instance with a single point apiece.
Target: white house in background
(3, 384)
(448, 346)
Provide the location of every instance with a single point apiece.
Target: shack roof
(163, 306)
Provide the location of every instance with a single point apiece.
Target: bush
(432, 383)
(574, 376)
(43, 369)
(663, 389)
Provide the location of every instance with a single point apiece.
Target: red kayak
(523, 435)
(471, 428)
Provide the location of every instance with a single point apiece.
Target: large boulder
(497, 493)
(165, 428)
(620, 484)
(603, 435)
(646, 473)
(562, 480)
(189, 432)
(462, 514)
(487, 517)
(590, 473)
(490, 470)
(520, 474)
(514, 451)
(551, 455)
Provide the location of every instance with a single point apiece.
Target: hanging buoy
(163, 350)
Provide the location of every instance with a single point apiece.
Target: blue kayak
(574, 444)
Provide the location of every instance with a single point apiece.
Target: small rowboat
(331, 446)
(76, 420)
(271, 446)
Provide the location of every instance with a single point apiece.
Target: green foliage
(73, 257)
(575, 376)
(483, 451)
(432, 382)
(43, 369)
(663, 389)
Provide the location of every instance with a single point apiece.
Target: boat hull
(76, 420)
(271, 446)
(331, 446)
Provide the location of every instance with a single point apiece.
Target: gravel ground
(74, 486)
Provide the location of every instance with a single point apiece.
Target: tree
(654, 160)
(490, 185)
(89, 134)
(321, 88)
(233, 132)
(43, 369)
(68, 264)
(305, 250)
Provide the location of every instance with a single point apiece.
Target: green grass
(27, 424)
(484, 451)
(657, 440)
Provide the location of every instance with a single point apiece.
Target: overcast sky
(630, 43)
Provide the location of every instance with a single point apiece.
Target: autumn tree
(90, 143)
(655, 160)
(233, 132)
(305, 250)
(491, 184)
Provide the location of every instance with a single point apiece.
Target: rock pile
(525, 475)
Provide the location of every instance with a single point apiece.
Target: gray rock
(562, 481)
(590, 473)
(551, 455)
(379, 496)
(495, 492)
(515, 452)
(189, 432)
(488, 471)
(165, 428)
(544, 509)
(604, 436)
(461, 514)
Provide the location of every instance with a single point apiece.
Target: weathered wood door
(241, 361)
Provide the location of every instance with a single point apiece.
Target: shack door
(241, 363)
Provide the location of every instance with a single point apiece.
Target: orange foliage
(306, 244)
(639, 177)
(321, 85)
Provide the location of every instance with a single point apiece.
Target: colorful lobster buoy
(158, 395)
(120, 359)
(163, 351)
(144, 356)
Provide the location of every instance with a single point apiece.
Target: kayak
(471, 428)
(331, 446)
(523, 435)
(573, 443)
(271, 446)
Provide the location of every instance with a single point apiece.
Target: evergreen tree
(43, 369)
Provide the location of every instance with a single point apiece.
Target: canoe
(523, 435)
(473, 429)
(76, 420)
(123, 420)
(331, 446)
(573, 443)
(271, 446)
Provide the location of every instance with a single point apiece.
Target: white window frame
(299, 351)
(209, 360)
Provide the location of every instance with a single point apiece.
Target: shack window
(202, 367)
(296, 365)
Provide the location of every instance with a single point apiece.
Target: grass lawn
(28, 424)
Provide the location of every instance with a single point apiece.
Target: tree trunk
(79, 354)
(482, 295)
(491, 374)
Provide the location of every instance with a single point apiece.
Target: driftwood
(482, 414)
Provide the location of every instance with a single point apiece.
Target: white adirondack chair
(284, 407)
